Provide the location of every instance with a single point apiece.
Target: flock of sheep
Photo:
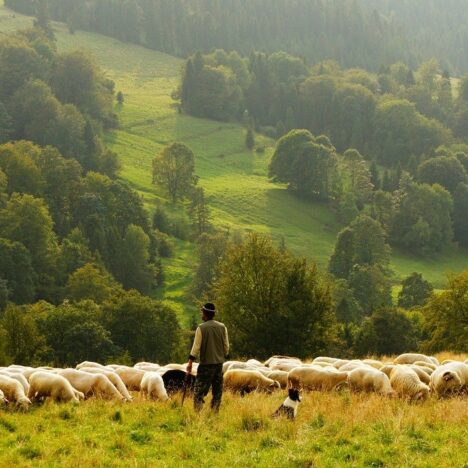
(412, 376)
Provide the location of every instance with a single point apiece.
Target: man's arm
(226, 343)
(195, 352)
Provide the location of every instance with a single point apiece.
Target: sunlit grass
(331, 429)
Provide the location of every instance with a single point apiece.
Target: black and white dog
(289, 406)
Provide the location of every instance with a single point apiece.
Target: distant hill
(364, 33)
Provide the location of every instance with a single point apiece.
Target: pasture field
(239, 194)
(332, 429)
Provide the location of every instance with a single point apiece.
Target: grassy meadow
(239, 194)
(332, 429)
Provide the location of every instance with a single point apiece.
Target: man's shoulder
(212, 323)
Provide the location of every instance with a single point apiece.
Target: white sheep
(13, 391)
(426, 364)
(351, 365)
(91, 384)
(317, 378)
(387, 369)
(113, 377)
(245, 381)
(329, 360)
(3, 400)
(422, 374)
(406, 383)
(45, 384)
(147, 367)
(373, 363)
(279, 376)
(411, 358)
(17, 375)
(285, 366)
(88, 364)
(369, 379)
(131, 377)
(254, 363)
(449, 378)
(152, 385)
(278, 359)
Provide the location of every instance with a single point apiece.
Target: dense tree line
(362, 33)
(395, 116)
(273, 301)
(62, 100)
(61, 206)
(126, 327)
(54, 219)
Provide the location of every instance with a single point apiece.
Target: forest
(383, 148)
(356, 33)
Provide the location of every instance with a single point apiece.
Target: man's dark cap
(209, 308)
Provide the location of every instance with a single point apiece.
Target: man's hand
(189, 367)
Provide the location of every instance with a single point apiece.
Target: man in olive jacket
(211, 346)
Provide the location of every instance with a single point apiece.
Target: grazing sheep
(146, 364)
(338, 364)
(3, 400)
(430, 365)
(450, 378)
(263, 370)
(48, 384)
(254, 362)
(237, 365)
(387, 369)
(279, 376)
(423, 376)
(330, 360)
(113, 377)
(284, 366)
(152, 385)
(406, 383)
(91, 384)
(88, 364)
(147, 367)
(444, 382)
(246, 381)
(19, 377)
(278, 358)
(373, 363)
(28, 372)
(131, 377)
(411, 358)
(226, 366)
(315, 378)
(369, 379)
(13, 391)
(350, 366)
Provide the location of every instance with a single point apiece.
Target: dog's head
(294, 394)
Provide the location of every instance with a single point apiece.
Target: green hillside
(238, 191)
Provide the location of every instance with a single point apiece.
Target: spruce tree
(249, 139)
(375, 177)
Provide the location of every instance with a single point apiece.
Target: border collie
(289, 406)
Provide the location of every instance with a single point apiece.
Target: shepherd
(211, 347)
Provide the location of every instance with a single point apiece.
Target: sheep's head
(422, 394)
(24, 402)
